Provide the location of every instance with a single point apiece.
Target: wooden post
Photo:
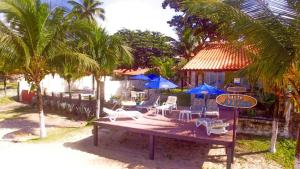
(182, 77)
(151, 147)
(229, 156)
(79, 99)
(18, 92)
(234, 134)
(95, 133)
(52, 94)
(70, 97)
(79, 104)
(61, 97)
(196, 78)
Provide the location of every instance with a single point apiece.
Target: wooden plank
(187, 132)
(95, 134)
(151, 147)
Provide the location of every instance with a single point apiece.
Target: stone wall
(259, 127)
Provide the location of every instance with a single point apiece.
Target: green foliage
(88, 9)
(164, 66)
(108, 51)
(37, 39)
(284, 155)
(270, 41)
(145, 44)
(183, 99)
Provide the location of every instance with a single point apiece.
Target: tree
(274, 34)
(36, 38)
(164, 66)
(70, 72)
(87, 9)
(109, 52)
(145, 44)
(193, 31)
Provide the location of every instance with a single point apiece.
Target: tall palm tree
(87, 9)
(271, 27)
(109, 52)
(36, 38)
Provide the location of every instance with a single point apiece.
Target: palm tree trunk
(98, 97)
(275, 124)
(297, 154)
(274, 135)
(43, 132)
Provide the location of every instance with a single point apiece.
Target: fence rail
(82, 108)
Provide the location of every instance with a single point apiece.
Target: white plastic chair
(172, 102)
(213, 126)
(133, 95)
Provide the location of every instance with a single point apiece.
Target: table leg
(95, 134)
(151, 147)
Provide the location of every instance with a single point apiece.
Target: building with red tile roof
(210, 64)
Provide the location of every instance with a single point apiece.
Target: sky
(138, 14)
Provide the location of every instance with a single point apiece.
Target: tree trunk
(274, 135)
(4, 84)
(93, 83)
(98, 97)
(297, 154)
(277, 109)
(43, 132)
(69, 86)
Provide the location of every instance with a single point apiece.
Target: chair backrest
(109, 111)
(196, 107)
(171, 100)
(133, 94)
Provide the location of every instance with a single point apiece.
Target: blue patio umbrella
(204, 90)
(140, 77)
(160, 83)
(153, 76)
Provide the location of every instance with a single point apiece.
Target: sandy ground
(116, 150)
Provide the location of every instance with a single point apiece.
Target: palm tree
(272, 29)
(109, 52)
(36, 38)
(70, 72)
(164, 66)
(87, 9)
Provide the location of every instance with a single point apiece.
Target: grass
(6, 100)
(57, 134)
(12, 114)
(12, 85)
(285, 148)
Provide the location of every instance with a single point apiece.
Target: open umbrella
(160, 83)
(153, 76)
(205, 90)
(140, 77)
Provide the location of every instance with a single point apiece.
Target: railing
(81, 108)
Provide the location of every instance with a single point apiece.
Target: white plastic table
(162, 109)
(186, 113)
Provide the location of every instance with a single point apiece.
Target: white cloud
(137, 14)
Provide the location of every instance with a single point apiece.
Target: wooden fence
(74, 105)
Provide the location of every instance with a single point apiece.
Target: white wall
(57, 84)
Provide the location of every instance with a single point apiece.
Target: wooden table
(156, 127)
